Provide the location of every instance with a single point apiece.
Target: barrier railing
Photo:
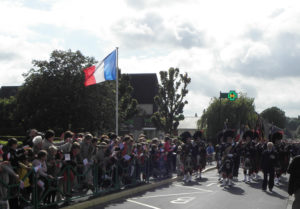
(72, 183)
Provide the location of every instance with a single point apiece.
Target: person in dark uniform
(219, 152)
(227, 158)
(237, 159)
(186, 153)
(280, 149)
(268, 163)
(248, 150)
(199, 153)
(294, 181)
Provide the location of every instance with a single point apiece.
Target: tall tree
(275, 115)
(127, 105)
(170, 100)
(53, 96)
(237, 113)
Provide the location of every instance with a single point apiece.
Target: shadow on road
(234, 190)
(275, 194)
(202, 179)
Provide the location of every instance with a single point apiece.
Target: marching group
(122, 159)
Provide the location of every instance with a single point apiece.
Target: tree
(275, 116)
(128, 105)
(8, 124)
(170, 100)
(53, 96)
(237, 113)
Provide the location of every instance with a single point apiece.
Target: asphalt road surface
(207, 193)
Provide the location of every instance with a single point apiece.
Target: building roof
(145, 87)
(189, 122)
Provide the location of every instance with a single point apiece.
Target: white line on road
(208, 185)
(204, 190)
(167, 195)
(139, 203)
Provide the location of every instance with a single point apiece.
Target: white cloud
(249, 46)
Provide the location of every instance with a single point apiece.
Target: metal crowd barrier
(70, 184)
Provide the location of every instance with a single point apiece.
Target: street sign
(232, 95)
(223, 95)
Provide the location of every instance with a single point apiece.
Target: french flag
(104, 71)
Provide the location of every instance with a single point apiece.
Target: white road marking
(167, 195)
(208, 185)
(204, 190)
(182, 200)
(139, 203)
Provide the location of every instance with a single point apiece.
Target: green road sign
(223, 95)
(232, 95)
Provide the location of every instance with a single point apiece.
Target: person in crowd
(6, 176)
(49, 141)
(71, 163)
(29, 139)
(294, 180)
(86, 151)
(24, 171)
(227, 158)
(248, 151)
(187, 149)
(210, 151)
(37, 144)
(168, 152)
(268, 163)
(12, 155)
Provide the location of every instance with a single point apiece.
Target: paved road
(207, 194)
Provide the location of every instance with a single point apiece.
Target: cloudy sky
(251, 46)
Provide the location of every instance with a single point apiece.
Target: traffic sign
(232, 95)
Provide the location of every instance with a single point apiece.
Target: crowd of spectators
(77, 161)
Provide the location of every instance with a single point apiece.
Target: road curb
(128, 192)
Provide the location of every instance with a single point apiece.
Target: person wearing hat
(198, 153)
(187, 149)
(227, 158)
(220, 147)
(283, 155)
(248, 151)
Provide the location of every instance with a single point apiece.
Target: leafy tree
(127, 105)
(274, 115)
(8, 124)
(237, 113)
(292, 123)
(53, 96)
(170, 100)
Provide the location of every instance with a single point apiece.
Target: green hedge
(6, 138)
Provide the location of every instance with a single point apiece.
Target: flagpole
(117, 92)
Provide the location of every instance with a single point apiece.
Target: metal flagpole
(117, 93)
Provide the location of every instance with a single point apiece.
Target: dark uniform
(268, 164)
(294, 181)
(227, 158)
